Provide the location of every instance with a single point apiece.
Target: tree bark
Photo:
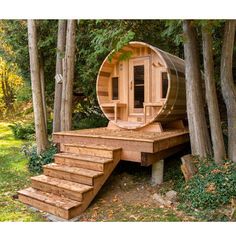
(40, 129)
(68, 75)
(211, 97)
(199, 136)
(228, 86)
(61, 41)
(42, 82)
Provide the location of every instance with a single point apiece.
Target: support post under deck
(157, 172)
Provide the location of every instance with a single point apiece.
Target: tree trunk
(68, 75)
(42, 82)
(211, 97)
(40, 129)
(61, 41)
(199, 137)
(228, 86)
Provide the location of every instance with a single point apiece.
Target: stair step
(93, 150)
(79, 175)
(82, 161)
(54, 204)
(72, 190)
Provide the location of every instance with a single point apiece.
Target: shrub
(27, 130)
(92, 122)
(213, 186)
(36, 161)
(89, 119)
(23, 131)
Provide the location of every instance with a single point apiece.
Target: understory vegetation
(36, 161)
(210, 195)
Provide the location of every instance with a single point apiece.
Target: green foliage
(95, 40)
(212, 187)
(89, 118)
(14, 34)
(26, 131)
(91, 122)
(36, 161)
(24, 94)
(23, 131)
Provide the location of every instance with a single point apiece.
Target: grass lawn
(13, 177)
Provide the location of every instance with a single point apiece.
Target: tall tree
(68, 76)
(40, 129)
(61, 41)
(211, 97)
(228, 86)
(42, 82)
(199, 136)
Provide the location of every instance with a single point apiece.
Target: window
(138, 86)
(164, 78)
(115, 88)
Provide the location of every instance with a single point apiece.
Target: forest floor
(126, 196)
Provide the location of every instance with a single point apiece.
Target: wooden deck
(85, 161)
(137, 146)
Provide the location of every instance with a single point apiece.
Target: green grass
(14, 176)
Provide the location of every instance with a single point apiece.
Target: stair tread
(93, 146)
(49, 198)
(74, 170)
(65, 184)
(84, 157)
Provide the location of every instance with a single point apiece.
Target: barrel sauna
(147, 86)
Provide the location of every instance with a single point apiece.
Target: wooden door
(139, 71)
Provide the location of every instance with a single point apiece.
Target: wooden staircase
(68, 185)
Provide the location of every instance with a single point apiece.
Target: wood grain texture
(155, 62)
(65, 189)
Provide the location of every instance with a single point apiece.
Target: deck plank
(74, 170)
(124, 134)
(52, 199)
(64, 184)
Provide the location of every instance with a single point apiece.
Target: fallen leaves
(210, 188)
(134, 217)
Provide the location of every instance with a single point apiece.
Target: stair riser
(68, 176)
(79, 163)
(58, 191)
(65, 214)
(87, 151)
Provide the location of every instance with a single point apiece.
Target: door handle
(131, 84)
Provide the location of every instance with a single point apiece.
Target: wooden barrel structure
(141, 84)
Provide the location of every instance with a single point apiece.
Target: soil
(127, 196)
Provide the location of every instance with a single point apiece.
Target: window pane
(115, 88)
(138, 86)
(164, 84)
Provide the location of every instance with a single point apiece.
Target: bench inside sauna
(143, 97)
